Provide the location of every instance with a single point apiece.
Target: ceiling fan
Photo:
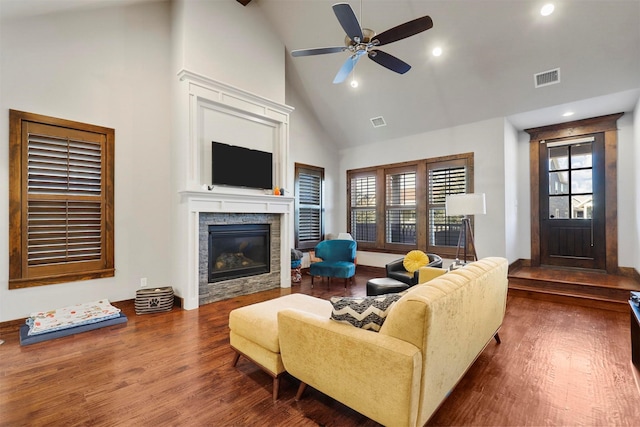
(360, 41)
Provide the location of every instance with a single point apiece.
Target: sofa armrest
(429, 273)
(374, 374)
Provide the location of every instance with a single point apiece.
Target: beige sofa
(400, 375)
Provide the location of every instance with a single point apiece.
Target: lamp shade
(465, 204)
(344, 236)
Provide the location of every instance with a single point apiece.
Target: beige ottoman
(254, 331)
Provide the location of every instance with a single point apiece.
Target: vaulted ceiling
(491, 51)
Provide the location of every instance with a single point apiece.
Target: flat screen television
(241, 167)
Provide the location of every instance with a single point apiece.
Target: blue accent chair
(338, 260)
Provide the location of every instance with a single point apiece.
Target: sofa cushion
(363, 312)
(414, 260)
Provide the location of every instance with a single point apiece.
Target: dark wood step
(587, 288)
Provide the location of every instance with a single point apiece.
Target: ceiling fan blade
(347, 67)
(403, 31)
(389, 61)
(348, 20)
(317, 51)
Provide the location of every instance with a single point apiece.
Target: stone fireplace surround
(211, 292)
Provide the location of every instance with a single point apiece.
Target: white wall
(628, 254)
(634, 233)
(485, 139)
(511, 184)
(233, 44)
(108, 67)
(311, 145)
(523, 230)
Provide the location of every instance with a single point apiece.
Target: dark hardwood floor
(558, 364)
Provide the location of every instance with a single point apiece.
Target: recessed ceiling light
(437, 51)
(547, 9)
(567, 114)
(354, 83)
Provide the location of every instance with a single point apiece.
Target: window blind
(310, 206)
(64, 214)
(363, 208)
(401, 208)
(444, 230)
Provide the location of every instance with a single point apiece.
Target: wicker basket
(154, 300)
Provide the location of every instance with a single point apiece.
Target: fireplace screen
(238, 250)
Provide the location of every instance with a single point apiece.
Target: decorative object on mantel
(276, 191)
(465, 205)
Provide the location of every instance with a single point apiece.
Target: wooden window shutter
(362, 207)
(445, 178)
(400, 207)
(61, 200)
(309, 207)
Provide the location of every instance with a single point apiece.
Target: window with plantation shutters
(61, 200)
(362, 196)
(444, 178)
(400, 220)
(398, 207)
(309, 221)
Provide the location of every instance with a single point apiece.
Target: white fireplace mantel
(211, 201)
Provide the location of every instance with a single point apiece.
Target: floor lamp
(465, 205)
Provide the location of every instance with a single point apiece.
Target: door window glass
(571, 181)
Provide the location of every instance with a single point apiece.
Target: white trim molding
(198, 96)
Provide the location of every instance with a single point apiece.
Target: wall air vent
(547, 78)
(378, 122)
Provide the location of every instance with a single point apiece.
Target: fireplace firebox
(238, 250)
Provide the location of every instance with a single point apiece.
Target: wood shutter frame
(309, 215)
(21, 274)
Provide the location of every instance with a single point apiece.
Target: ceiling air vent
(547, 78)
(378, 122)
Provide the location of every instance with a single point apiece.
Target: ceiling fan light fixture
(360, 41)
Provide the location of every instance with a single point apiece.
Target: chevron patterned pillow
(363, 312)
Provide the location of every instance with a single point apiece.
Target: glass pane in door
(582, 207)
(558, 183)
(581, 156)
(558, 158)
(559, 207)
(581, 181)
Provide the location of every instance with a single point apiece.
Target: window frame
(311, 170)
(421, 168)
(21, 274)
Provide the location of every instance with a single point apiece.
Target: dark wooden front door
(572, 211)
